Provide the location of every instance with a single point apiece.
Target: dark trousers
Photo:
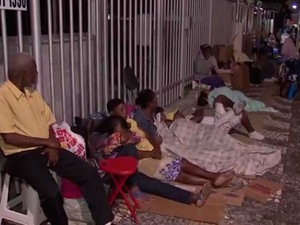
(31, 166)
(151, 185)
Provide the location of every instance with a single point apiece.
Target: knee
(48, 192)
(90, 173)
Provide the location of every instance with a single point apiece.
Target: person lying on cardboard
(192, 151)
(180, 170)
(227, 99)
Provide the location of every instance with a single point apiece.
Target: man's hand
(52, 143)
(52, 154)
(110, 148)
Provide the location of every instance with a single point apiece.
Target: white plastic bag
(78, 212)
(77, 209)
(69, 140)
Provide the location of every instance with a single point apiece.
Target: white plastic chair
(29, 198)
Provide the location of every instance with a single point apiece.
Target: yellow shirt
(26, 114)
(144, 144)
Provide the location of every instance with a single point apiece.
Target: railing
(89, 42)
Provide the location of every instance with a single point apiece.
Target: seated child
(120, 141)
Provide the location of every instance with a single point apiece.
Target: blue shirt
(145, 123)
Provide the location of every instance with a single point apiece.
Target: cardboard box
(211, 212)
(261, 189)
(240, 79)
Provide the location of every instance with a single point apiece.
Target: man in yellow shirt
(31, 147)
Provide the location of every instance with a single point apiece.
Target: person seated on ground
(180, 169)
(206, 68)
(146, 145)
(29, 143)
(201, 66)
(265, 65)
(192, 151)
(271, 41)
(222, 98)
(114, 139)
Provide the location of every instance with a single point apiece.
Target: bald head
(18, 64)
(22, 70)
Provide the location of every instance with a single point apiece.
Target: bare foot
(200, 198)
(224, 179)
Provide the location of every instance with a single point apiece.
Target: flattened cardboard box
(261, 189)
(231, 197)
(211, 212)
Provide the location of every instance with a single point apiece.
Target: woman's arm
(155, 142)
(144, 155)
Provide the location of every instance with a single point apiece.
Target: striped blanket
(214, 150)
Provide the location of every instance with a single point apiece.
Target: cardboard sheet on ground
(211, 212)
(230, 196)
(261, 189)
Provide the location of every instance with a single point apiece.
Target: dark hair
(159, 110)
(110, 124)
(202, 99)
(144, 98)
(112, 104)
(204, 47)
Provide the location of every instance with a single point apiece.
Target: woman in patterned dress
(176, 168)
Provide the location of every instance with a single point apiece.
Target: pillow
(170, 115)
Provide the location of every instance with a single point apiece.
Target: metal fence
(83, 46)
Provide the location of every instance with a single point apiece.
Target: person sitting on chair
(29, 143)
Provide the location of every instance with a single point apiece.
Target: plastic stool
(34, 215)
(120, 169)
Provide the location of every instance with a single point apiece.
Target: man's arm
(22, 141)
(52, 134)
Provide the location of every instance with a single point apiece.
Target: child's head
(117, 124)
(146, 99)
(116, 107)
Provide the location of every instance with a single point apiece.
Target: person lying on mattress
(223, 98)
(191, 151)
(113, 138)
(186, 173)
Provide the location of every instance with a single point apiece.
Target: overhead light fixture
(294, 6)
